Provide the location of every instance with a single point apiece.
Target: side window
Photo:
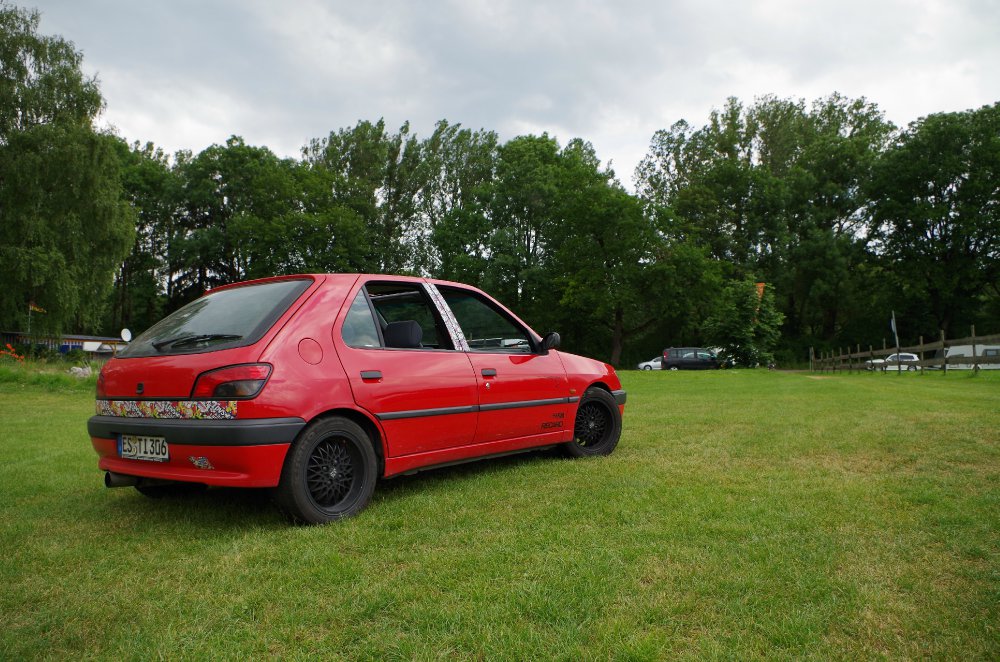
(486, 328)
(403, 304)
(359, 325)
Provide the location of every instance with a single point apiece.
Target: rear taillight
(232, 382)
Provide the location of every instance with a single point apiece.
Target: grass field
(745, 514)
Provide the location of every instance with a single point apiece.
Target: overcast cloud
(185, 74)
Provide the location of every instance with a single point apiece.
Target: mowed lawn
(745, 514)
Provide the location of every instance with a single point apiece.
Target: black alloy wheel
(329, 474)
(598, 425)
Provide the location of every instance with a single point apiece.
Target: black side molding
(619, 396)
(471, 409)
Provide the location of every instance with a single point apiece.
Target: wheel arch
(609, 388)
(598, 384)
(367, 424)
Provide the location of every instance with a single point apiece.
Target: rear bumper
(238, 453)
(247, 432)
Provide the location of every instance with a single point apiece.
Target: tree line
(842, 215)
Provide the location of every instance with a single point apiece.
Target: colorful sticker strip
(450, 322)
(217, 410)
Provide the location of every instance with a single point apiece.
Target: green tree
(379, 177)
(233, 217)
(775, 190)
(459, 166)
(522, 208)
(323, 235)
(41, 80)
(66, 227)
(556, 237)
(936, 215)
(618, 278)
(151, 187)
(745, 324)
(829, 275)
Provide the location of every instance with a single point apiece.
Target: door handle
(489, 372)
(371, 374)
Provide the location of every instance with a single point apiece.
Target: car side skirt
(409, 463)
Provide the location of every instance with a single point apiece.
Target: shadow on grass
(217, 508)
(226, 508)
(448, 474)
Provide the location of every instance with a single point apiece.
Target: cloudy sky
(188, 73)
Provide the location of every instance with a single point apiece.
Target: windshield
(221, 320)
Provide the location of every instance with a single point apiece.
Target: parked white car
(653, 364)
(901, 361)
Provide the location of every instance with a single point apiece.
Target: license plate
(135, 447)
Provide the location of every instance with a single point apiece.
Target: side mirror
(550, 341)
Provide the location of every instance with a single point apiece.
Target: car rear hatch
(229, 326)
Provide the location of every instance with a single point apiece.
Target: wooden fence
(931, 356)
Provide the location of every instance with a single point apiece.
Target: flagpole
(899, 366)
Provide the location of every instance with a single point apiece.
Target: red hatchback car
(318, 385)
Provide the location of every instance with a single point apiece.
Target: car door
(523, 391)
(705, 360)
(423, 392)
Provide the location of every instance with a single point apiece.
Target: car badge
(139, 388)
(201, 462)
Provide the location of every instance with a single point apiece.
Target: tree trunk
(617, 337)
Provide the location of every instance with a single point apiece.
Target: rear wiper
(193, 338)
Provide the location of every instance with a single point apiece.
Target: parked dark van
(689, 358)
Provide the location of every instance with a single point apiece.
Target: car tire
(597, 427)
(647, 367)
(673, 367)
(329, 474)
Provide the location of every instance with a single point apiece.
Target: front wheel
(598, 425)
(673, 367)
(329, 474)
(647, 367)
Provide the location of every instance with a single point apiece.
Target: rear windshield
(220, 320)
